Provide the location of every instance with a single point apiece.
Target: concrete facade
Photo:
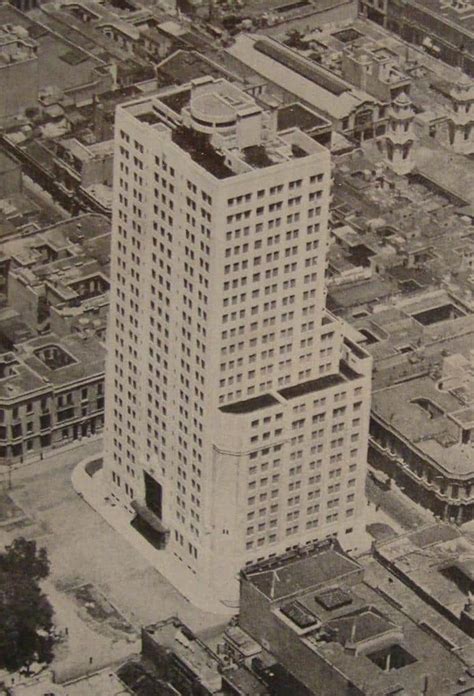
(237, 406)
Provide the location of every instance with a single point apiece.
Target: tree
(26, 616)
(22, 557)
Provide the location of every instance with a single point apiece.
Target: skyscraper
(237, 406)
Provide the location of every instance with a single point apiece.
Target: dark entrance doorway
(154, 496)
(149, 515)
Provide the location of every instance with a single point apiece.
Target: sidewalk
(52, 458)
(91, 489)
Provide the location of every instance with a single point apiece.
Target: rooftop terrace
(246, 406)
(199, 147)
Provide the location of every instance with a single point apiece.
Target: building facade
(344, 628)
(237, 406)
(422, 436)
(51, 394)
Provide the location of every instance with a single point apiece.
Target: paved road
(84, 550)
(404, 512)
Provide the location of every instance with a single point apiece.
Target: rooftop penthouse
(222, 128)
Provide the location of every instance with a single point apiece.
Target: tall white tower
(237, 407)
(461, 115)
(400, 138)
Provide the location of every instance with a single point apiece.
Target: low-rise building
(422, 435)
(181, 658)
(351, 110)
(374, 69)
(19, 77)
(436, 562)
(80, 165)
(52, 384)
(379, 235)
(51, 393)
(443, 28)
(58, 278)
(173, 655)
(53, 61)
(343, 628)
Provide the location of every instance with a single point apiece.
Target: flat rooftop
(250, 405)
(88, 359)
(360, 293)
(19, 380)
(425, 558)
(424, 415)
(299, 116)
(172, 634)
(242, 678)
(245, 406)
(59, 63)
(368, 626)
(288, 577)
(459, 13)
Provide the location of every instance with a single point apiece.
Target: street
(102, 590)
(396, 508)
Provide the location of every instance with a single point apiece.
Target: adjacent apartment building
(237, 406)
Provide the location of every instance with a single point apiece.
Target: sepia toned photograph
(236, 347)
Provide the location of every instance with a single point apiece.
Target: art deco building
(237, 406)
